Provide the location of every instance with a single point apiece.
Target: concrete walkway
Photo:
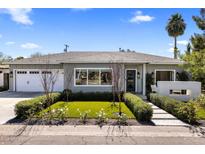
(94, 130)
(92, 134)
(8, 100)
(162, 118)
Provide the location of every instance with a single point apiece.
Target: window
(34, 72)
(164, 75)
(106, 77)
(180, 92)
(81, 77)
(93, 76)
(46, 72)
(21, 72)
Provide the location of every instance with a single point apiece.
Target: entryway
(131, 80)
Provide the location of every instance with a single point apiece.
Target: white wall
(164, 87)
(1, 79)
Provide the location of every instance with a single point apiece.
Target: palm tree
(175, 27)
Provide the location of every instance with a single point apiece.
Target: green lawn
(93, 107)
(200, 113)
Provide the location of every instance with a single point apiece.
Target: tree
(116, 84)
(19, 58)
(195, 59)
(198, 42)
(36, 54)
(175, 27)
(188, 49)
(69, 76)
(48, 80)
(200, 21)
(5, 58)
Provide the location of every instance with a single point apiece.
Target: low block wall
(180, 90)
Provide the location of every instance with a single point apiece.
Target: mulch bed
(130, 122)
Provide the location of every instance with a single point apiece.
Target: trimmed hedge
(184, 111)
(27, 108)
(141, 110)
(89, 96)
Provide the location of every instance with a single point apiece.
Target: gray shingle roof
(98, 57)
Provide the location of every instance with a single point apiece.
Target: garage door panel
(32, 81)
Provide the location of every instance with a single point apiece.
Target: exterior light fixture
(138, 75)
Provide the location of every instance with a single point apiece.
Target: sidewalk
(93, 130)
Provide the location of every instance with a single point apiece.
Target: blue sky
(25, 31)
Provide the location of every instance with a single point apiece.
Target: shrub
(83, 115)
(28, 108)
(149, 82)
(122, 119)
(101, 117)
(141, 110)
(184, 111)
(200, 101)
(187, 112)
(183, 76)
(89, 96)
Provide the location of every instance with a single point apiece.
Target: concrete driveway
(8, 101)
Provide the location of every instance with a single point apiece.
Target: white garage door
(31, 80)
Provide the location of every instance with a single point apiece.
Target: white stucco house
(92, 71)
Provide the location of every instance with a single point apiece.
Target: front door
(131, 80)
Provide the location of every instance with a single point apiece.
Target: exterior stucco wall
(69, 78)
(69, 71)
(151, 67)
(26, 66)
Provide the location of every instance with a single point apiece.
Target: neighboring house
(4, 76)
(92, 71)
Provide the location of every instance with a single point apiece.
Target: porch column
(144, 80)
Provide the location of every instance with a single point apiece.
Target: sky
(26, 31)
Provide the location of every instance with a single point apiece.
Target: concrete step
(159, 112)
(169, 122)
(163, 116)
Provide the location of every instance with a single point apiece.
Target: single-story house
(4, 76)
(92, 71)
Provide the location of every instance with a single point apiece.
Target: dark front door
(131, 77)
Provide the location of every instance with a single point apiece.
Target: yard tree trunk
(175, 48)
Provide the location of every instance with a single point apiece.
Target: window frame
(87, 85)
(188, 92)
(164, 70)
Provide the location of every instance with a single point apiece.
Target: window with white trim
(93, 77)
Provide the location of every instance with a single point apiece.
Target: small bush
(89, 96)
(83, 115)
(187, 112)
(101, 117)
(200, 101)
(141, 110)
(184, 111)
(122, 119)
(28, 108)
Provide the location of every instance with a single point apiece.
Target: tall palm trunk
(175, 48)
